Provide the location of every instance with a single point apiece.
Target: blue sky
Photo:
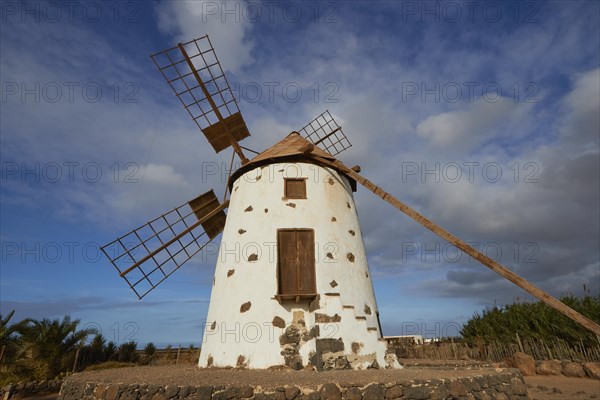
(483, 116)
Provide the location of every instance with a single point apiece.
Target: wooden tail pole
(485, 260)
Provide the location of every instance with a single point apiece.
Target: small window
(296, 273)
(295, 188)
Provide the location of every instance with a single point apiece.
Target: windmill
(292, 284)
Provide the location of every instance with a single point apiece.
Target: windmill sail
(194, 72)
(325, 132)
(148, 255)
(463, 246)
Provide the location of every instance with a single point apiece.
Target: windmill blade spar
(482, 258)
(146, 256)
(194, 72)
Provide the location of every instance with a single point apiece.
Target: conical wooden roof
(289, 149)
(291, 145)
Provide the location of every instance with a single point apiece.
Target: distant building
(395, 341)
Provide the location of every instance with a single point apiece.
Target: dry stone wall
(27, 389)
(506, 385)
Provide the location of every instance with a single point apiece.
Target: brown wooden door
(296, 250)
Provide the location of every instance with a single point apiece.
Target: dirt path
(270, 379)
(562, 388)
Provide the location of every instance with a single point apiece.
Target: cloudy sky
(483, 116)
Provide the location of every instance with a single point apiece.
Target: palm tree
(150, 350)
(9, 333)
(6, 333)
(48, 347)
(149, 353)
(97, 348)
(127, 352)
(110, 351)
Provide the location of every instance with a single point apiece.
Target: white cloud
(164, 175)
(584, 101)
(223, 21)
(471, 126)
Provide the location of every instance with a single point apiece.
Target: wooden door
(296, 263)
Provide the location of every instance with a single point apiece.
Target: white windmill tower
(292, 285)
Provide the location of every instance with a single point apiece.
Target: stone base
(210, 384)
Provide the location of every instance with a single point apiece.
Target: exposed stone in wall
(253, 257)
(329, 354)
(352, 232)
(330, 345)
(356, 346)
(241, 231)
(245, 307)
(507, 384)
(241, 362)
(315, 305)
(293, 205)
(278, 322)
(333, 219)
(293, 338)
(350, 257)
(248, 209)
(367, 310)
(390, 359)
(230, 272)
(324, 318)
(333, 283)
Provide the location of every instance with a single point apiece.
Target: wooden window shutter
(305, 248)
(288, 263)
(295, 188)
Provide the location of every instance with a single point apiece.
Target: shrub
(533, 320)
(128, 352)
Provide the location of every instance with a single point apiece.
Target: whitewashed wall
(231, 333)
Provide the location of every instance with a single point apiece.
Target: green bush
(533, 320)
(128, 352)
(150, 350)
